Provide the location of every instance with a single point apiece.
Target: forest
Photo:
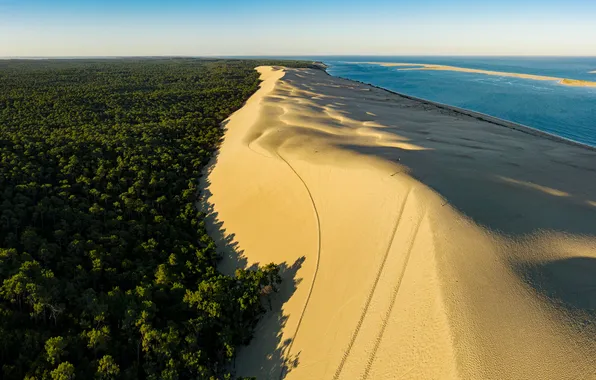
(106, 269)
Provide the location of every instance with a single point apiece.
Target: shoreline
(478, 115)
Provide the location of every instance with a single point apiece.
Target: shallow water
(566, 111)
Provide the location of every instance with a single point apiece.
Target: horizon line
(287, 56)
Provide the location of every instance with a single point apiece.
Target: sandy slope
(418, 243)
(424, 66)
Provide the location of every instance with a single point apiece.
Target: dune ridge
(417, 242)
(424, 66)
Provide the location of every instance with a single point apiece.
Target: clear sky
(298, 27)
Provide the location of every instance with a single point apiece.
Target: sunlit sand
(417, 242)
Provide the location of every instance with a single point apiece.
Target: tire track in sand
(393, 298)
(372, 291)
(312, 284)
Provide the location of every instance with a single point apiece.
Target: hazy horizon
(111, 28)
(294, 56)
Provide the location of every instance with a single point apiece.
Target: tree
(65, 371)
(55, 349)
(103, 254)
(107, 368)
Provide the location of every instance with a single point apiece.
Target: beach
(416, 241)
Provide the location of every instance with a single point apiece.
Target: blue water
(566, 111)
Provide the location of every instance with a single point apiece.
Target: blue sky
(299, 27)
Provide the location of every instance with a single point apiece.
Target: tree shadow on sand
(266, 356)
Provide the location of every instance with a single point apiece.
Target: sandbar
(424, 66)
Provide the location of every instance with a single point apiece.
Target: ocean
(566, 111)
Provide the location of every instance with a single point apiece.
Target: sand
(423, 66)
(416, 242)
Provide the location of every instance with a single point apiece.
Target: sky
(43, 28)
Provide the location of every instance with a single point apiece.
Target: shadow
(265, 356)
(230, 256)
(502, 176)
(568, 283)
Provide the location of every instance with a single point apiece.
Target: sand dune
(423, 66)
(417, 242)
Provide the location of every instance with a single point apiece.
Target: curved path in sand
(425, 66)
(416, 242)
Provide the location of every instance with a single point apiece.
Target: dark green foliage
(106, 270)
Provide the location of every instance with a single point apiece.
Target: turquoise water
(566, 111)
